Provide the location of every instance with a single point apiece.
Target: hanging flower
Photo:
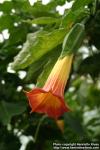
(50, 98)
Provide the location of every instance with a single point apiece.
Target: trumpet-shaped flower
(50, 98)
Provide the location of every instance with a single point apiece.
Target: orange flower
(50, 98)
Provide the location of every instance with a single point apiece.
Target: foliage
(35, 41)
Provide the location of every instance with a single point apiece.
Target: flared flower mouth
(50, 98)
(46, 102)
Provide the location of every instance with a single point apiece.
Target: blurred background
(31, 36)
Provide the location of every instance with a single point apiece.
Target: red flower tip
(45, 102)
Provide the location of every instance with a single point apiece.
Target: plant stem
(38, 127)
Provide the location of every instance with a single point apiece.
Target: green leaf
(44, 75)
(90, 65)
(79, 3)
(17, 35)
(93, 29)
(44, 20)
(59, 2)
(74, 122)
(73, 39)
(6, 6)
(77, 11)
(71, 17)
(37, 67)
(6, 22)
(91, 120)
(8, 110)
(93, 94)
(48, 67)
(40, 10)
(37, 45)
